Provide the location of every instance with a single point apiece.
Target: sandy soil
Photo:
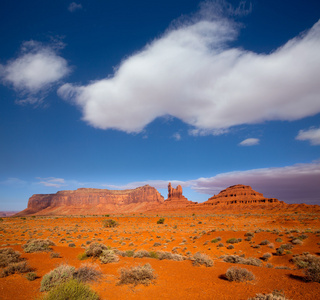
(182, 233)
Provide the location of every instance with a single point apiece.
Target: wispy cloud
(312, 135)
(177, 136)
(13, 181)
(74, 6)
(192, 73)
(250, 142)
(35, 70)
(52, 182)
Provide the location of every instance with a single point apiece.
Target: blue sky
(118, 94)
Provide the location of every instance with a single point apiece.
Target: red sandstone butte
(93, 201)
(175, 199)
(240, 194)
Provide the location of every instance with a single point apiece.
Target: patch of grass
(83, 256)
(266, 256)
(202, 259)
(38, 245)
(264, 242)
(137, 275)
(71, 290)
(239, 275)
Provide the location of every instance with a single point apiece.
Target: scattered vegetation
(31, 276)
(18, 267)
(8, 256)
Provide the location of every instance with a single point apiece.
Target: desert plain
(246, 233)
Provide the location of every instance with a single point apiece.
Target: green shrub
(108, 256)
(279, 240)
(57, 276)
(215, 240)
(202, 259)
(137, 275)
(38, 245)
(71, 290)
(169, 256)
(31, 276)
(161, 221)
(239, 275)
(296, 241)
(1, 219)
(83, 256)
(8, 256)
(109, 223)
(230, 247)
(129, 253)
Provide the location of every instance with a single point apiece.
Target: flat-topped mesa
(240, 194)
(175, 198)
(94, 201)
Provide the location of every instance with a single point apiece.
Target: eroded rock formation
(94, 201)
(175, 199)
(240, 194)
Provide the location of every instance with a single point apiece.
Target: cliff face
(94, 201)
(240, 194)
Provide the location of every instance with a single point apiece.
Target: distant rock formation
(175, 199)
(7, 213)
(240, 194)
(94, 201)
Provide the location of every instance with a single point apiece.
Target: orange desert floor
(181, 233)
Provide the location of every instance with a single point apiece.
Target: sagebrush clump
(239, 275)
(137, 275)
(38, 245)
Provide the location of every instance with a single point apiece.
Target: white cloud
(52, 182)
(250, 142)
(192, 74)
(35, 70)
(177, 136)
(312, 135)
(74, 6)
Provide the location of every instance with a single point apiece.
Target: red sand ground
(176, 280)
